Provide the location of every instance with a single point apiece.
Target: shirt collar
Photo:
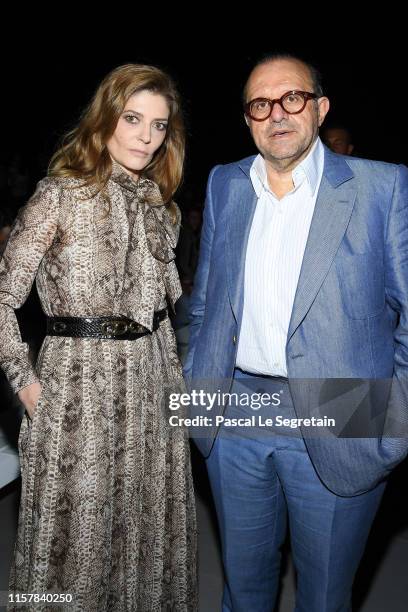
(310, 168)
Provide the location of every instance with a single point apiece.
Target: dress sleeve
(31, 236)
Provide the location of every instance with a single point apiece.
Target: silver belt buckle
(59, 327)
(114, 328)
(136, 328)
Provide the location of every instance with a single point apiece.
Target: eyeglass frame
(306, 95)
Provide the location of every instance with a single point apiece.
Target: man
(338, 139)
(302, 285)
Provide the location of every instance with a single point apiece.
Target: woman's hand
(29, 397)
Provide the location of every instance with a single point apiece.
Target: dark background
(50, 72)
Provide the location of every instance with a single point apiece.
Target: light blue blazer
(349, 318)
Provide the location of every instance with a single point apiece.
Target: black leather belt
(105, 328)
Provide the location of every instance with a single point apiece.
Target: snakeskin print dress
(107, 510)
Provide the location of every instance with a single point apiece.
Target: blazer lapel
(240, 212)
(332, 212)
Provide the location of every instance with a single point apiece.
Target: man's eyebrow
(130, 110)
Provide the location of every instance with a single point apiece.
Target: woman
(107, 509)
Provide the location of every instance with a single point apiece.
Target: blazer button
(234, 339)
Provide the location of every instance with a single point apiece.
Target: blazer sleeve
(395, 440)
(31, 236)
(198, 295)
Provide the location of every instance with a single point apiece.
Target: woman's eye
(131, 118)
(161, 126)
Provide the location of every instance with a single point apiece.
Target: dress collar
(144, 188)
(161, 233)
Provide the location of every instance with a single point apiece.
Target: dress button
(234, 339)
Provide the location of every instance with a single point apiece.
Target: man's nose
(278, 113)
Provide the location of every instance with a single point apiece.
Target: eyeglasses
(292, 102)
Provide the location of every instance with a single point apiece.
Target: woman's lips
(140, 153)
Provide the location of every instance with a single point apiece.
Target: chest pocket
(361, 283)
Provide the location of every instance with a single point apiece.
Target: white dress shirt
(276, 246)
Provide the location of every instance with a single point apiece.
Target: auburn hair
(83, 152)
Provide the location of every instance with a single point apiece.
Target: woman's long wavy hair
(83, 152)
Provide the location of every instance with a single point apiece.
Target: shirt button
(234, 339)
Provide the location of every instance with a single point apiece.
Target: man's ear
(323, 108)
(246, 120)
